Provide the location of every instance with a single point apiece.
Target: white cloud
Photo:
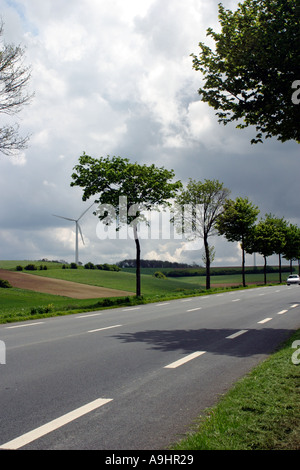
(115, 78)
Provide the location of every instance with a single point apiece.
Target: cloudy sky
(115, 77)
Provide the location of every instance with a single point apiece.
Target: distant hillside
(146, 263)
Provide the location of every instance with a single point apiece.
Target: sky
(115, 78)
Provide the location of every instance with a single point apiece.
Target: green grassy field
(18, 304)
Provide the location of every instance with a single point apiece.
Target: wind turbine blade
(85, 211)
(80, 233)
(66, 218)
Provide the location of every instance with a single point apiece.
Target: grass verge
(22, 305)
(261, 412)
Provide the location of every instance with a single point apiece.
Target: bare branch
(14, 77)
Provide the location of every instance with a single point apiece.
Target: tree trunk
(265, 269)
(243, 263)
(138, 262)
(280, 277)
(207, 263)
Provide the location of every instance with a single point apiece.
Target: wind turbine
(78, 229)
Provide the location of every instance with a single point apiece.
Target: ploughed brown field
(58, 286)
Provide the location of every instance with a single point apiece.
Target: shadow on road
(254, 341)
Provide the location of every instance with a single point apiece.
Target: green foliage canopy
(250, 75)
(146, 187)
(237, 224)
(206, 200)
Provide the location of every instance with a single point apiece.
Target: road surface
(135, 377)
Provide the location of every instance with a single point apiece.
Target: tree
(291, 250)
(237, 224)
(268, 238)
(280, 227)
(14, 76)
(125, 190)
(204, 201)
(250, 75)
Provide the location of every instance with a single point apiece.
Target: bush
(30, 267)
(89, 265)
(19, 268)
(5, 284)
(73, 266)
(108, 267)
(41, 310)
(159, 275)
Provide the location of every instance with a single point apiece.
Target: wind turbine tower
(78, 230)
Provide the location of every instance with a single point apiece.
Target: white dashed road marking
(55, 424)
(265, 320)
(185, 359)
(106, 328)
(238, 333)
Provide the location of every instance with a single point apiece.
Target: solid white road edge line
(24, 326)
(185, 359)
(53, 425)
(131, 308)
(87, 315)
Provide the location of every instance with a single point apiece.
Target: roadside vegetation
(261, 412)
(19, 304)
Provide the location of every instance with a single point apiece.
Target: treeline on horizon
(185, 269)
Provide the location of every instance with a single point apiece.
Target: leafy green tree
(140, 188)
(291, 250)
(268, 238)
(280, 227)
(250, 76)
(236, 223)
(204, 203)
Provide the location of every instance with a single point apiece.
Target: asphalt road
(133, 378)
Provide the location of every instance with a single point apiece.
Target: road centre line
(24, 326)
(106, 328)
(265, 320)
(193, 309)
(238, 333)
(235, 300)
(185, 359)
(162, 304)
(282, 312)
(53, 425)
(295, 305)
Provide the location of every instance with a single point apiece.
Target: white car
(293, 279)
